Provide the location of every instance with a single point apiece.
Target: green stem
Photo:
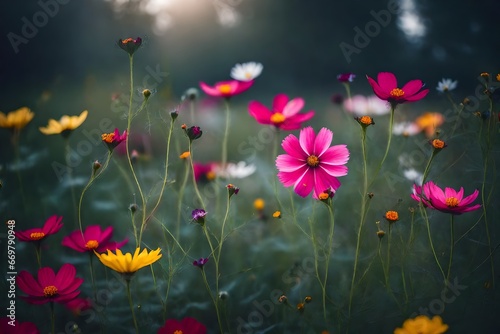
(164, 183)
(38, 252)
(226, 134)
(127, 141)
(388, 255)
(91, 255)
(452, 243)
(328, 254)
(195, 184)
(15, 143)
(391, 124)
(95, 174)
(131, 304)
(181, 197)
(214, 300)
(274, 155)
(424, 214)
(362, 218)
(52, 318)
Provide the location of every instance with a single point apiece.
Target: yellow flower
(259, 204)
(277, 214)
(128, 263)
(16, 119)
(423, 325)
(66, 123)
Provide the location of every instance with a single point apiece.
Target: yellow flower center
(50, 291)
(397, 92)
(225, 89)
(312, 160)
(277, 214)
(127, 40)
(277, 118)
(498, 77)
(92, 244)
(323, 196)
(108, 137)
(391, 216)
(452, 202)
(436, 143)
(259, 204)
(37, 235)
(210, 175)
(248, 75)
(366, 120)
(178, 331)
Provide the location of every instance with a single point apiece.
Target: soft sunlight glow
(167, 12)
(410, 22)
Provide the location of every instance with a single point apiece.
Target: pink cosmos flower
(51, 226)
(310, 162)
(386, 88)
(361, 105)
(78, 305)
(50, 287)
(93, 238)
(187, 325)
(284, 114)
(226, 88)
(448, 201)
(17, 327)
(114, 139)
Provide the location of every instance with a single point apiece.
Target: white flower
(236, 171)
(406, 129)
(413, 175)
(361, 105)
(445, 85)
(246, 71)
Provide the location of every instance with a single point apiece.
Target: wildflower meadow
(223, 211)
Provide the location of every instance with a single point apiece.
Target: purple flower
(199, 216)
(201, 262)
(346, 77)
(193, 132)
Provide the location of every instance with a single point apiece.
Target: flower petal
(287, 163)
(335, 155)
(293, 107)
(279, 103)
(260, 112)
(27, 283)
(304, 185)
(306, 140)
(387, 81)
(322, 141)
(46, 277)
(381, 94)
(417, 96)
(291, 145)
(412, 87)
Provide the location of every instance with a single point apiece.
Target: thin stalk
(226, 134)
(181, 197)
(15, 143)
(92, 280)
(452, 243)
(391, 124)
(362, 218)
(95, 174)
(424, 213)
(70, 175)
(127, 141)
(195, 184)
(52, 318)
(328, 254)
(214, 300)
(131, 304)
(164, 183)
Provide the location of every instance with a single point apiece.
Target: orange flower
(429, 122)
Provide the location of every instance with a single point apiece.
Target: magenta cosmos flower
(8, 326)
(50, 287)
(93, 238)
(114, 139)
(284, 114)
(187, 325)
(448, 201)
(226, 88)
(51, 226)
(386, 88)
(310, 162)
